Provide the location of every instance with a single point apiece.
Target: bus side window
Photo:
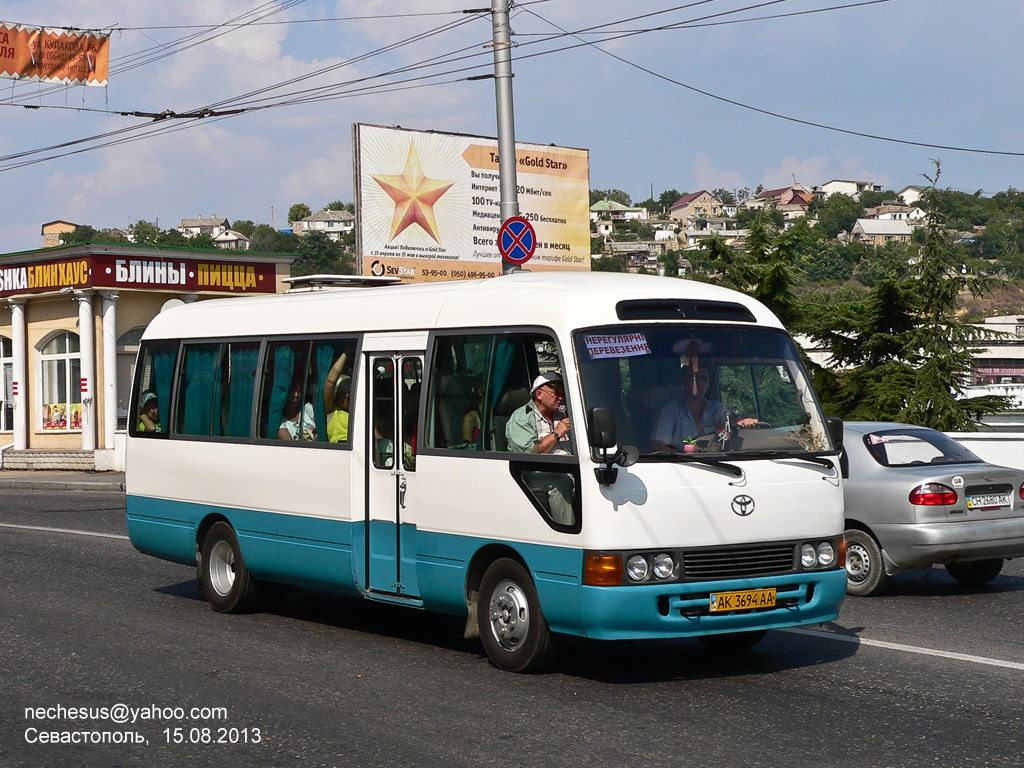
(150, 410)
(286, 408)
(331, 369)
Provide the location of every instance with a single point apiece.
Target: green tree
(901, 353)
(723, 194)
(338, 205)
(838, 213)
(318, 254)
(597, 195)
(244, 227)
(666, 198)
(607, 264)
(298, 212)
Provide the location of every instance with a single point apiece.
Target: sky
(663, 94)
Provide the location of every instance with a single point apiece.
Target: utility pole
(509, 204)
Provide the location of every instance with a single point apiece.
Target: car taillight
(1021, 491)
(932, 495)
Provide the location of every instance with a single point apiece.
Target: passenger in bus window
(149, 413)
(541, 426)
(691, 413)
(337, 400)
(298, 420)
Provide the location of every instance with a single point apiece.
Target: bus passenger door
(392, 410)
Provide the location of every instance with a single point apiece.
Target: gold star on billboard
(414, 195)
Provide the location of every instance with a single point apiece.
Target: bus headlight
(664, 566)
(637, 568)
(826, 554)
(808, 556)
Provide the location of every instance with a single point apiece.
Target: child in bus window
(149, 413)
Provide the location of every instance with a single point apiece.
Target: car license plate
(988, 501)
(744, 600)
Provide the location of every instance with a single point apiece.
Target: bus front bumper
(683, 609)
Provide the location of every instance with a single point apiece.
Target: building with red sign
(71, 319)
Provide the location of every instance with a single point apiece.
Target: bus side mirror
(601, 433)
(835, 429)
(601, 429)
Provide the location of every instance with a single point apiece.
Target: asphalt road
(930, 675)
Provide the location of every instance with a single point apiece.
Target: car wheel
(229, 587)
(865, 572)
(733, 641)
(976, 574)
(512, 627)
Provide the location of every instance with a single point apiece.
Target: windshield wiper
(813, 458)
(683, 458)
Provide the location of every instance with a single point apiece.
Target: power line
(769, 113)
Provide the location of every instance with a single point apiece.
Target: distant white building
(881, 231)
(846, 187)
(211, 226)
(911, 195)
(333, 223)
(230, 240)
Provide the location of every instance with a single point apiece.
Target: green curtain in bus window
(283, 365)
(504, 355)
(163, 374)
(243, 359)
(199, 387)
(325, 355)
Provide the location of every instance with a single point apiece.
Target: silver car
(915, 497)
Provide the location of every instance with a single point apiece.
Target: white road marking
(906, 648)
(63, 530)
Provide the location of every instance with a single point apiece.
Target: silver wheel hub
(221, 567)
(509, 614)
(858, 562)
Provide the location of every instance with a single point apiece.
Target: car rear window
(915, 447)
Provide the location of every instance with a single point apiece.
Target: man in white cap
(537, 427)
(540, 426)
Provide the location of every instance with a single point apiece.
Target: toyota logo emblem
(742, 505)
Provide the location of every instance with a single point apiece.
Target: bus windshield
(716, 391)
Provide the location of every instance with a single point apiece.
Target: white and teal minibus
(354, 440)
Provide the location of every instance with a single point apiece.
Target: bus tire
(733, 641)
(865, 571)
(228, 585)
(976, 574)
(512, 627)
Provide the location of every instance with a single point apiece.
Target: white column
(109, 369)
(87, 352)
(19, 369)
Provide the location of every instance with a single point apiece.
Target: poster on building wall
(427, 204)
(68, 56)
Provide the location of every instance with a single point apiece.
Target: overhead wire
(360, 86)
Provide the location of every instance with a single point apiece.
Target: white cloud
(808, 171)
(708, 177)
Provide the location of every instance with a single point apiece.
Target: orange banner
(72, 57)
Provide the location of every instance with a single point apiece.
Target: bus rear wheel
(512, 627)
(228, 585)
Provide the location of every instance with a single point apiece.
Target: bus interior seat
(509, 402)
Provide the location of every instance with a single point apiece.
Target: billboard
(427, 204)
(71, 57)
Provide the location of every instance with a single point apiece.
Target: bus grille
(738, 562)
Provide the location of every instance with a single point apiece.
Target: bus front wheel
(228, 585)
(512, 627)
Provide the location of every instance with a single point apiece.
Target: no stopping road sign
(516, 240)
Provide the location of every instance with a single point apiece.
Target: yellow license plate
(745, 600)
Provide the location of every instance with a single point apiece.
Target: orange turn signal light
(602, 570)
(842, 552)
